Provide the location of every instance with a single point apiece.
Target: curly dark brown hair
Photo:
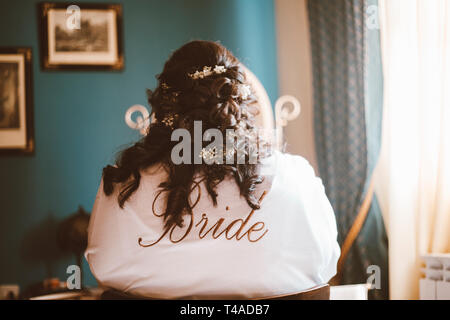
(215, 100)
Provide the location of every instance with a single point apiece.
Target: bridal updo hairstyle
(217, 101)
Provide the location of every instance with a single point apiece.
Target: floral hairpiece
(207, 71)
(212, 153)
(242, 141)
(208, 154)
(169, 120)
(244, 91)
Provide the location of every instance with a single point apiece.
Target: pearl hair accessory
(207, 71)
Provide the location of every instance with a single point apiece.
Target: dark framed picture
(16, 102)
(82, 36)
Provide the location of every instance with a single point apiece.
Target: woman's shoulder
(291, 165)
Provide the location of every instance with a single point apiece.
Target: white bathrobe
(288, 245)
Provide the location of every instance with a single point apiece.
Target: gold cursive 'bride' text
(238, 229)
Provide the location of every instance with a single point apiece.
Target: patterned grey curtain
(348, 95)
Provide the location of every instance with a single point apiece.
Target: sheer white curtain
(413, 176)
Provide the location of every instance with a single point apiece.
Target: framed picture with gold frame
(82, 36)
(16, 101)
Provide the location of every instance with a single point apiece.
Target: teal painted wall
(79, 115)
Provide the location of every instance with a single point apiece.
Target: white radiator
(435, 285)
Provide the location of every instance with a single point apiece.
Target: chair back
(321, 292)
